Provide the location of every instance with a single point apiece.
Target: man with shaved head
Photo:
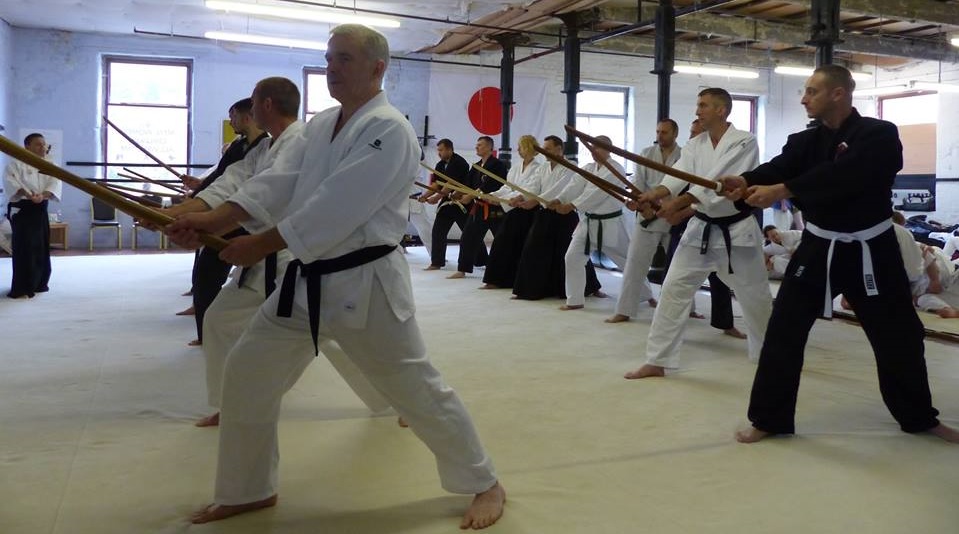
(845, 160)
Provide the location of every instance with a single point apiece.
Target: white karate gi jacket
(332, 196)
(19, 175)
(553, 182)
(736, 153)
(527, 178)
(646, 179)
(256, 161)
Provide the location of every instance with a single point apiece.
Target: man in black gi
(450, 211)
(29, 193)
(483, 216)
(846, 160)
(209, 271)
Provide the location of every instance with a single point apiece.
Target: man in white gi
(29, 192)
(276, 103)
(338, 201)
(720, 237)
(601, 226)
(648, 235)
(779, 249)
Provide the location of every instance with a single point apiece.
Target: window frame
(753, 110)
(307, 71)
(106, 61)
(626, 91)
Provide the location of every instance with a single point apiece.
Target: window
(149, 99)
(916, 116)
(602, 110)
(317, 95)
(743, 114)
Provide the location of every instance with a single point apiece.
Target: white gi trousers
(422, 217)
(274, 351)
(615, 243)
(686, 274)
(642, 248)
(231, 312)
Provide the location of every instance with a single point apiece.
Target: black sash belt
(313, 273)
(599, 230)
(723, 223)
(270, 276)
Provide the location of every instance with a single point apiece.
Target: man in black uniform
(209, 271)
(845, 160)
(483, 216)
(450, 211)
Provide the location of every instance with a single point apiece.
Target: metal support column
(571, 50)
(665, 55)
(824, 29)
(508, 43)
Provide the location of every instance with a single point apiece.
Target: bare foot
(567, 307)
(187, 294)
(653, 303)
(189, 311)
(618, 318)
(948, 312)
(457, 275)
(751, 435)
(695, 315)
(599, 294)
(844, 304)
(486, 508)
(210, 420)
(194, 343)
(489, 286)
(432, 268)
(734, 332)
(947, 433)
(402, 422)
(216, 512)
(646, 371)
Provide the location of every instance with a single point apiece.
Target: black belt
(312, 272)
(599, 231)
(723, 223)
(270, 276)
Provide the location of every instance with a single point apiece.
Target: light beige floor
(98, 392)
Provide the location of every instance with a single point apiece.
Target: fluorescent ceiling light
(807, 71)
(265, 40)
(932, 86)
(714, 71)
(955, 41)
(879, 91)
(312, 15)
(793, 71)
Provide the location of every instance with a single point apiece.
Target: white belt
(868, 277)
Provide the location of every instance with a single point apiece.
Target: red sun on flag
(485, 111)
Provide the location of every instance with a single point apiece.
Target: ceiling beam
(906, 10)
(794, 35)
(758, 30)
(703, 52)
